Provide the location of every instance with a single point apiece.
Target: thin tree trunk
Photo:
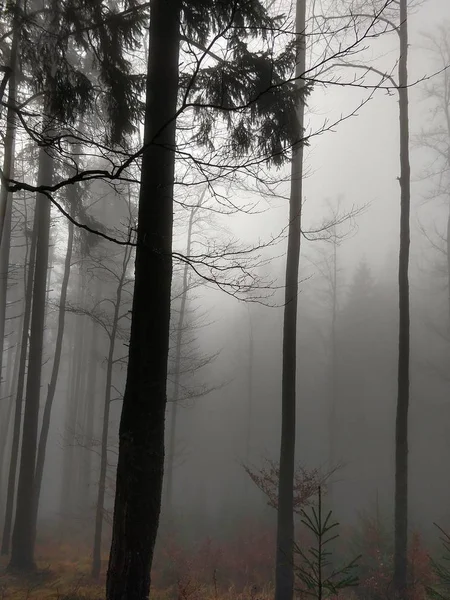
(22, 555)
(96, 555)
(12, 380)
(45, 427)
(401, 433)
(5, 196)
(141, 435)
(284, 574)
(10, 494)
(70, 471)
(177, 366)
(448, 258)
(91, 395)
(10, 135)
(251, 349)
(334, 374)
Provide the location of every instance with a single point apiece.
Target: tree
(68, 93)
(178, 353)
(401, 428)
(141, 435)
(14, 457)
(284, 577)
(398, 22)
(119, 313)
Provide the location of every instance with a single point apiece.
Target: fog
(225, 357)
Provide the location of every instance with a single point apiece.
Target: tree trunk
(22, 556)
(448, 257)
(284, 574)
(401, 433)
(251, 351)
(91, 399)
(10, 494)
(45, 428)
(70, 471)
(9, 140)
(5, 196)
(177, 366)
(96, 554)
(141, 435)
(332, 432)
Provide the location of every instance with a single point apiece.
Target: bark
(96, 554)
(22, 555)
(251, 350)
(177, 365)
(141, 434)
(19, 395)
(401, 433)
(91, 398)
(5, 196)
(10, 135)
(334, 373)
(284, 574)
(76, 390)
(45, 427)
(448, 258)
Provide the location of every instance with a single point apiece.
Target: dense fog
(224, 383)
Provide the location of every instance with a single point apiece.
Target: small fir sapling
(315, 574)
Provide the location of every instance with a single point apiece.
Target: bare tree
(284, 576)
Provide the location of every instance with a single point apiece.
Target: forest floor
(55, 579)
(69, 579)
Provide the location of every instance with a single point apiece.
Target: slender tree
(178, 356)
(22, 551)
(45, 427)
(284, 576)
(401, 429)
(19, 392)
(123, 279)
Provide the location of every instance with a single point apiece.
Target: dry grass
(68, 579)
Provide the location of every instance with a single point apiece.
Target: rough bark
(141, 434)
(100, 506)
(22, 555)
(10, 494)
(284, 574)
(401, 432)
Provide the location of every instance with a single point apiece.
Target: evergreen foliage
(317, 577)
(251, 91)
(441, 591)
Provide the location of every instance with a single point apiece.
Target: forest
(224, 299)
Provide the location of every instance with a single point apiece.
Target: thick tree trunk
(10, 494)
(96, 554)
(401, 433)
(45, 427)
(284, 574)
(141, 435)
(22, 555)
